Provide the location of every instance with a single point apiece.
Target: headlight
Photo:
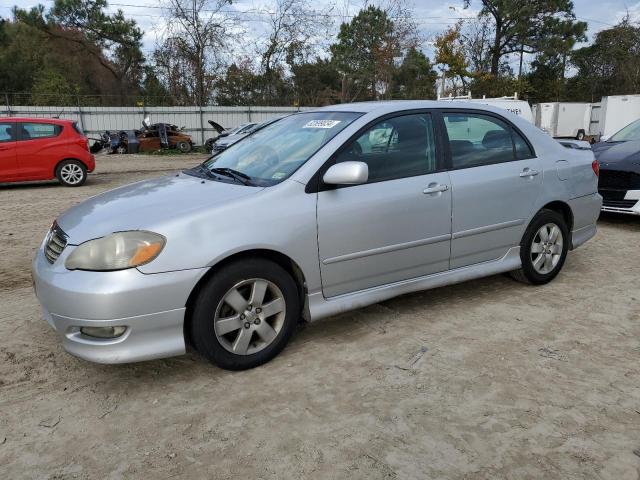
(117, 251)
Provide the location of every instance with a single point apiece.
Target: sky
(432, 16)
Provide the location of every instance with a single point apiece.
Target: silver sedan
(321, 212)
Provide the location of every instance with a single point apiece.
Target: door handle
(527, 172)
(435, 188)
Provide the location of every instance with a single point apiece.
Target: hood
(146, 205)
(617, 153)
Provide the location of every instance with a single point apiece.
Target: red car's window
(7, 132)
(31, 131)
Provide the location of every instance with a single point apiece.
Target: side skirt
(321, 307)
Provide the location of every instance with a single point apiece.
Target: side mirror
(347, 173)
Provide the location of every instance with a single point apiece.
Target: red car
(44, 149)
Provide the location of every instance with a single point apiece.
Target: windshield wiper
(236, 175)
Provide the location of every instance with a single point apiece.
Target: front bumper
(150, 306)
(620, 201)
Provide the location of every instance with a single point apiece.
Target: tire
(121, 149)
(532, 271)
(245, 336)
(184, 147)
(71, 173)
(208, 145)
(580, 135)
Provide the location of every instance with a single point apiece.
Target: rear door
(8, 163)
(39, 148)
(496, 180)
(398, 225)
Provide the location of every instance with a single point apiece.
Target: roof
(59, 121)
(389, 106)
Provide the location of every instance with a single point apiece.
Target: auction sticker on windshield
(321, 124)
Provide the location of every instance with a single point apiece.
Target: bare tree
(296, 30)
(191, 55)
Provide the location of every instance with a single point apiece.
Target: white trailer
(564, 119)
(614, 113)
(511, 104)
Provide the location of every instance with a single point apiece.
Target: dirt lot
(489, 379)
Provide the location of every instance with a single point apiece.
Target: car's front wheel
(245, 314)
(543, 249)
(71, 173)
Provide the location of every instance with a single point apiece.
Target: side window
(7, 132)
(398, 147)
(476, 139)
(31, 131)
(523, 151)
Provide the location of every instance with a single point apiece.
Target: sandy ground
(489, 379)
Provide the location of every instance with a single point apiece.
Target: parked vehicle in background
(564, 119)
(619, 159)
(151, 137)
(220, 131)
(315, 214)
(44, 149)
(225, 142)
(521, 108)
(612, 114)
(241, 129)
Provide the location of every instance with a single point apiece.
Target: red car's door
(39, 148)
(8, 162)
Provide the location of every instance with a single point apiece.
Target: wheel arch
(279, 258)
(563, 209)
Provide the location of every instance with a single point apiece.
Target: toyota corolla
(319, 213)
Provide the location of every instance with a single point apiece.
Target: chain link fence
(95, 113)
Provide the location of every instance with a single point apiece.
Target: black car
(619, 159)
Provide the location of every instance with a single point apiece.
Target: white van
(511, 104)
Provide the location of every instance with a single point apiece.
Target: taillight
(596, 167)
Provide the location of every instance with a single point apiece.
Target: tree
(367, 48)
(190, 57)
(316, 83)
(610, 66)
(450, 55)
(109, 38)
(415, 78)
(524, 26)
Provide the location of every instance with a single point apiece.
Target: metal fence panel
(95, 120)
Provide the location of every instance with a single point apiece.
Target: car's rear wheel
(71, 173)
(245, 314)
(184, 147)
(543, 249)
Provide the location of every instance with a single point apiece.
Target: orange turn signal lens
(145, 253)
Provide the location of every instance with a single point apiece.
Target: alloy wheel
(546, 248)
(72, 173)
(249, 316)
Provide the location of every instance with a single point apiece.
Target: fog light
(103, 332)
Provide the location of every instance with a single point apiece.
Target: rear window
(78, 128)
(32, 131)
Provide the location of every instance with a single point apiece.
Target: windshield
(271, 154)
(630, 132)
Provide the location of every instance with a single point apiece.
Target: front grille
(619, 203)
(55, 244)
(618, 179)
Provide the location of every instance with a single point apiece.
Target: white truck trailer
(564, 119)
(612, 114)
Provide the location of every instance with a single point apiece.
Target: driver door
(396, 226)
